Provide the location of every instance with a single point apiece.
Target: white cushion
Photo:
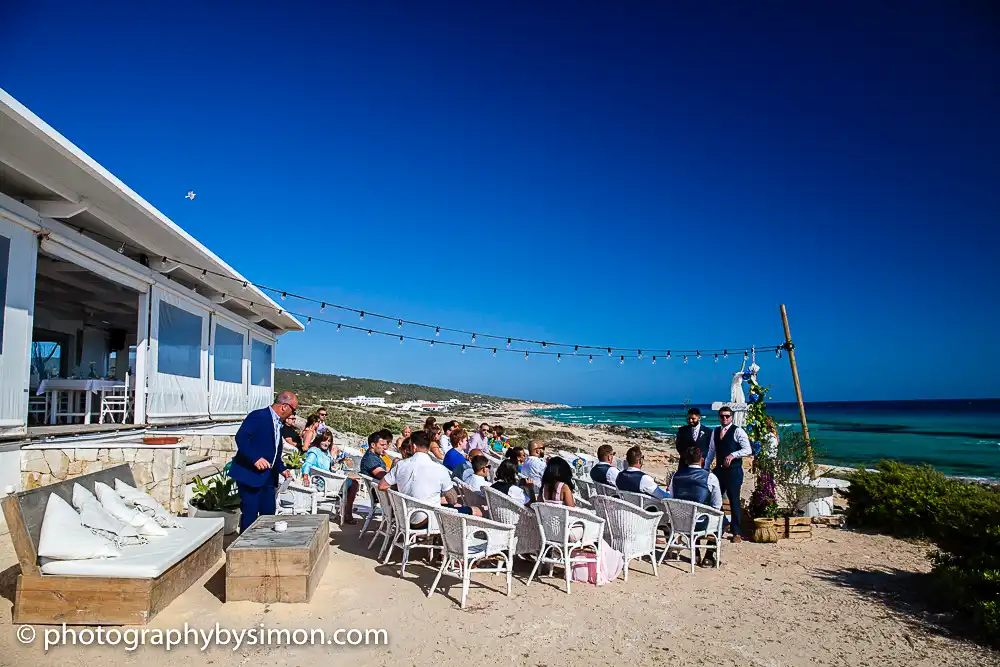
(144, 561)
(82, 496)
(63, 537)
(117, 508)
(145, 503)
(94, 516)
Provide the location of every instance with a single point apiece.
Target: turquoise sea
(959, 437)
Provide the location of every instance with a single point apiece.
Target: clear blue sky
(611, 173)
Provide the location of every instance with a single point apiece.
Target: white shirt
(533, 469)
(276, 420)
(445, 443)
(612, 475)
(477, 483)
(517, 493)
(420, 477)
(647, 484)
(713, 488)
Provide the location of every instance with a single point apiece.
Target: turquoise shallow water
(958, 437)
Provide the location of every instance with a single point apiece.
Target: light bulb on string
(609, 351)
(121, 251)
(244, 284)
(322, 307)
(473, 339)
(621, 359)
(281, 312)
(576, 348)
(654, 361)
(309, 321)
(777, 353)
(745, 355)
(725, 354)
(559, 357)
(463, 349)
(369, 332)
(284, 295)
(685, 358)
(362, 314)
(640, 354)
(525, 356)
(399, 324)
(400, 340)
(494, 352)
(591, 360)
(698, 352)
(508, 343)
(338, 327)
(544, 344)
(432, 343)
(668, 354)
(437, 331)
(716, 358)
(204, 272)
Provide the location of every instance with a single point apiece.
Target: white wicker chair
(586, 488)
(334, 490)
(467, 539)
(373, 508)
(387, 526)
(296, 498)
(405, 536)
(471, 497)
(684, 516)
(606, 490)
(555, 523)
(633, 529)
(506, 510)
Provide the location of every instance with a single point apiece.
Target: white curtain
(178, 351)
(227, 372)
(261, 367)
(18, 255)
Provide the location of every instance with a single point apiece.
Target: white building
(365, 400)
(98, 280)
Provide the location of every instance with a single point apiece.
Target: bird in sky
(190, 195)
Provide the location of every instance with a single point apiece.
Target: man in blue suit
(257, 462)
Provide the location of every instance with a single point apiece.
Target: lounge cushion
(143, 561)
(145, 503)
(117, 508)
(64, 537)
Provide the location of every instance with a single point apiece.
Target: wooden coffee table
(263, 565)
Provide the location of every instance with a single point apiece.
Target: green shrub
(962, 519)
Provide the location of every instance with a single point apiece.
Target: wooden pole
(790, 348)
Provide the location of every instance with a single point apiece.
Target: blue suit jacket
(255, 440)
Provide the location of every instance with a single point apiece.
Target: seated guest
(405, 448)
(605, 471)
(634, 479)
(465, 469)
(534, 465)
(479, 479)
(407, 432)
(310, 431)
(372, 463)
(386, 434)
(506, 482)
(694, 482)
(481, 438)
(422, 478)
(434, 448)
(455, 456)
(517, 455)
(498, 443)
(446, 435)
(429, 424)
(557, 483)
(289, 434)
(321, 457)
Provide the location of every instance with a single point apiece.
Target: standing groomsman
(695, 435)
(731, 445)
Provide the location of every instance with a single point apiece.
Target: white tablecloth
(94, 386)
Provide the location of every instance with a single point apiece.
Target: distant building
(365, 400)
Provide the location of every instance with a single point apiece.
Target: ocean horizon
(956, 436)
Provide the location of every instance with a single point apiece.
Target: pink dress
(600, 568)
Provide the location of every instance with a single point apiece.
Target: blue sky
(633, 174)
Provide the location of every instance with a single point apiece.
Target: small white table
(56, 386)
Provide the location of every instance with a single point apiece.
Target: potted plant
(218, 497)
(294, 461)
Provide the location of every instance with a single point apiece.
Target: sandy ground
(841, 598)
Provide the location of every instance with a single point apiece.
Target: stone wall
(157, 470)
(219, 448)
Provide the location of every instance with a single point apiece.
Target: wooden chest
(263, 565)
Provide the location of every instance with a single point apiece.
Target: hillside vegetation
(316, 388)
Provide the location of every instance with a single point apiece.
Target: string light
(121, 251)
(559, 357)
(544, 344)
(725, 354)
(309, 321)
(685, 358)
(576, 348)
(473, 339)
(362, 314)
(244, 284)
(400, 340)
(668, 354)
(777, 353)
(284, 295)
(463, 349)
(654, 361)
(494, 352)
(525, 355)
(639, 354)
(338, 328)
(621, 359)
(609, 351)
(369, 332)
(322, 307)
(698, 352)
(508, 343)
(437, 331)
(745, 355)
(716, 358)
(432, 343)
(399, 324)
(591, 360)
